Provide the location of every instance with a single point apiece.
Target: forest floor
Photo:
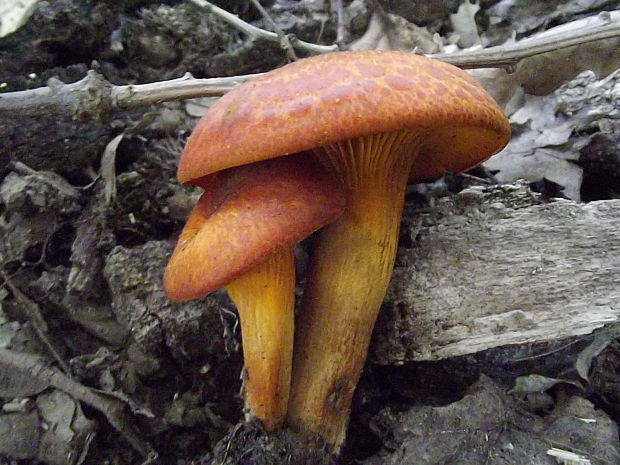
(113, 372)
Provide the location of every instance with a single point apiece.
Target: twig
(113, 409)
(548, 352)
(256, 32)
(21, 168)
(33, 312)
(285, 43)
(93, 96)
(508, 55)
(230, 438)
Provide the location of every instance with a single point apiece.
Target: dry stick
(113, 409)
(93, 96)
(285, 43)
(256, 32)
(508, 55)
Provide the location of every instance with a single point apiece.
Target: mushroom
(402, 118)
(374, 119)
(240, 234)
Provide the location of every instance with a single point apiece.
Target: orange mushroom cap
(244, 214)
(327, 98)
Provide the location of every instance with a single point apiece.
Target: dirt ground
(81, 285)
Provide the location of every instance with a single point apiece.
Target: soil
(89, 268)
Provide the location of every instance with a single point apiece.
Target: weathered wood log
(496, 266)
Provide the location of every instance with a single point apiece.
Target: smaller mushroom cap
(244, 214)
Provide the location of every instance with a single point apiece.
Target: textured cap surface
(323, 99)
(244, 214)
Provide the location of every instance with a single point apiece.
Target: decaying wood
(488, 271)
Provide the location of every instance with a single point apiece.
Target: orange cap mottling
(323, 99)
(244, 214)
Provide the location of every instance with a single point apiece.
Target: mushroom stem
(265, 299)
(350, 271)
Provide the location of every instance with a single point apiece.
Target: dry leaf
(108, 168)
(14, 14)
(538, 383)
(464, 24)
(601, 340)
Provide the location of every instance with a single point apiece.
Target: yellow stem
(350, 271)
(265, 299)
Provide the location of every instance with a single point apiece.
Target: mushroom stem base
(265, 299)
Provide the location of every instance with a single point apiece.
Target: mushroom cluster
(363, 125)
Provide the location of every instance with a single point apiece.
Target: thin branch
(112, 408)
(606, 26)
(285, 43)
(256, 32)
(93, 96)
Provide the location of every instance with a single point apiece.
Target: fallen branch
(94, 97)
(491, 267)
(603, 26)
